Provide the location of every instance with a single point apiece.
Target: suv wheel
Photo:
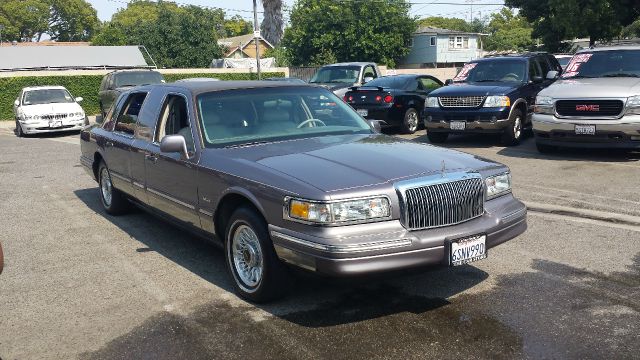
(410, 122)
(437, 137)
(258, 275)
(513, 133)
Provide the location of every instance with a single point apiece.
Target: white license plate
(464, 251)
(585, 129)
(457, 125)
(363, 112)
(55, 124)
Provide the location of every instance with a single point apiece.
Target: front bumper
(389, 246)
(621, 133)
(39, 127)
(478, 120)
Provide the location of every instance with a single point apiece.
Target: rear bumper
(397, 248)
(478, 120)
(622, 134)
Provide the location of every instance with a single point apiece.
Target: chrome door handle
(151, 157)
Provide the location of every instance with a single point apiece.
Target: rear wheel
(437, 137)
(258, 274)
(411, 121)
(113, 201)
(19, 132)
(513, 133)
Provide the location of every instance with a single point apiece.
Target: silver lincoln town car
(288, 175)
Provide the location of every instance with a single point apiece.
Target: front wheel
(19, 132)
(513, 133)
(113, 201)
(258, 275)
(437, 137)
(410, 121)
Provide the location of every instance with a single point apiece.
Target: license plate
(55, 124)
(363, 112)
(464, 251)
(457, 125)
(585, 129)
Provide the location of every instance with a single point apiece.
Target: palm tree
(272, 25)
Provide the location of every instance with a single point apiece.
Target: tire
(19, 132)
(437, 137)
(545, 149)
(113, 201)
(410, 122)
(248, 245)
(513, 133)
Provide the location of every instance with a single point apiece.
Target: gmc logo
(587, 107)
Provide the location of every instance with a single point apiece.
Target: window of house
(465, 42)
(410, 43)
(433, 41)
(458, 42)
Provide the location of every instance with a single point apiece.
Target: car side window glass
(369, 72)
(544, 66)
(174, 120)
(428, 84)
(413, 85)
(534, 69)
(110, 119)
(128, 114)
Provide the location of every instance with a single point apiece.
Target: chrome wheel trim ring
(106, 188)
(412, 121)
(517, 127)
(247, 258)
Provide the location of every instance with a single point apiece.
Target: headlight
(497, 101)
(340, 211)
(544, 105)
(498, 185)
(633, 105)
(431, 102)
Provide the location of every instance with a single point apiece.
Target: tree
(557, 20)
(445, 23)
(508, 31)
(273, 22)
(23, 20)
(326, 30)
(175, 36)
(72, 20)
(236, 26)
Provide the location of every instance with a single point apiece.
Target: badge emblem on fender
(442, 170)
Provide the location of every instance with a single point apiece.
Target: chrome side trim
(205, 213)
(121, 177)
(345, 249)
(170, 198)
(141, 186)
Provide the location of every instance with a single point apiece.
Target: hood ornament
(443, 169)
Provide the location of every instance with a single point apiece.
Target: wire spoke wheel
(106, 189)
(247, 256)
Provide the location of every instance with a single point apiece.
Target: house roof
(44, 43)
(239, 42)
(435, 30)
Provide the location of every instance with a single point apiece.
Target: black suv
(116, 82)
(490, 95)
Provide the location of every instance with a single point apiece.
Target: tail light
(378, 98)
(388, 99)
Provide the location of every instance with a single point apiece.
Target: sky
(244, 8)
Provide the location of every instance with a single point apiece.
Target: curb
(584, 213)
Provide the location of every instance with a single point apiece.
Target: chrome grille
(461, 101)
(54, 117)
(443, 204)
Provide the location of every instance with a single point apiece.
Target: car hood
(475, 89)
(332, 163)
(596, 87)
(55, 108)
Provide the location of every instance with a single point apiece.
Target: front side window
(174, 120)
(336, 74)
(128, 114)
(534, 70)
(608, 63)
(46, 96)
(428, 84)
(236, 117)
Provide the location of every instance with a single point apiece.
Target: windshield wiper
(621, 75)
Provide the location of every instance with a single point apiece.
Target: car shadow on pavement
(313, 301)
(575, 154)
(462, 141)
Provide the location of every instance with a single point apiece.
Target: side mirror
(174, 144)
(367, 79)
(448, 82)
(537, 79)
(79, 98)
(375, 125)
(552, 75)
(16, 103)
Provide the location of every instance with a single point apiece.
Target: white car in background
(43, 109)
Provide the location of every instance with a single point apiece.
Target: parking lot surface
(81, 284)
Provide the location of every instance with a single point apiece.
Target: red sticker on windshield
(574, 65)
(464, 73)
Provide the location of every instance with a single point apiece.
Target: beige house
(243, 46)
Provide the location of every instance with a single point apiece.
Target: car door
(149, 103)
(426, 84)
(531, 89)
(117, 150)
(171, 181)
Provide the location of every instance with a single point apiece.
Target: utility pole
(256, 35)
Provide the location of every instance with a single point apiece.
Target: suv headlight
(498, 185)
(339, 211)
(633, 105)
(431, 102)
(497, 101)
(544, 105)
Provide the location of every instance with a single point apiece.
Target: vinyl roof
(70, 57)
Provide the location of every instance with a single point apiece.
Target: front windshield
(237, 117)
(47, 96)
(511, 70)
(609, 63)
(138, 78)
(336, 74)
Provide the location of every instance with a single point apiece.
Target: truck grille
(589, 108)
(461, 101)
(54, 117)
(443, 204)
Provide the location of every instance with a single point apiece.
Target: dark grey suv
(115, 83)
(289, 174)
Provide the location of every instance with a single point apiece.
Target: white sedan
(46, 109)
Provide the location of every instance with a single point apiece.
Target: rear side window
(128, 114)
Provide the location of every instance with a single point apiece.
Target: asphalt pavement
(79, 283)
